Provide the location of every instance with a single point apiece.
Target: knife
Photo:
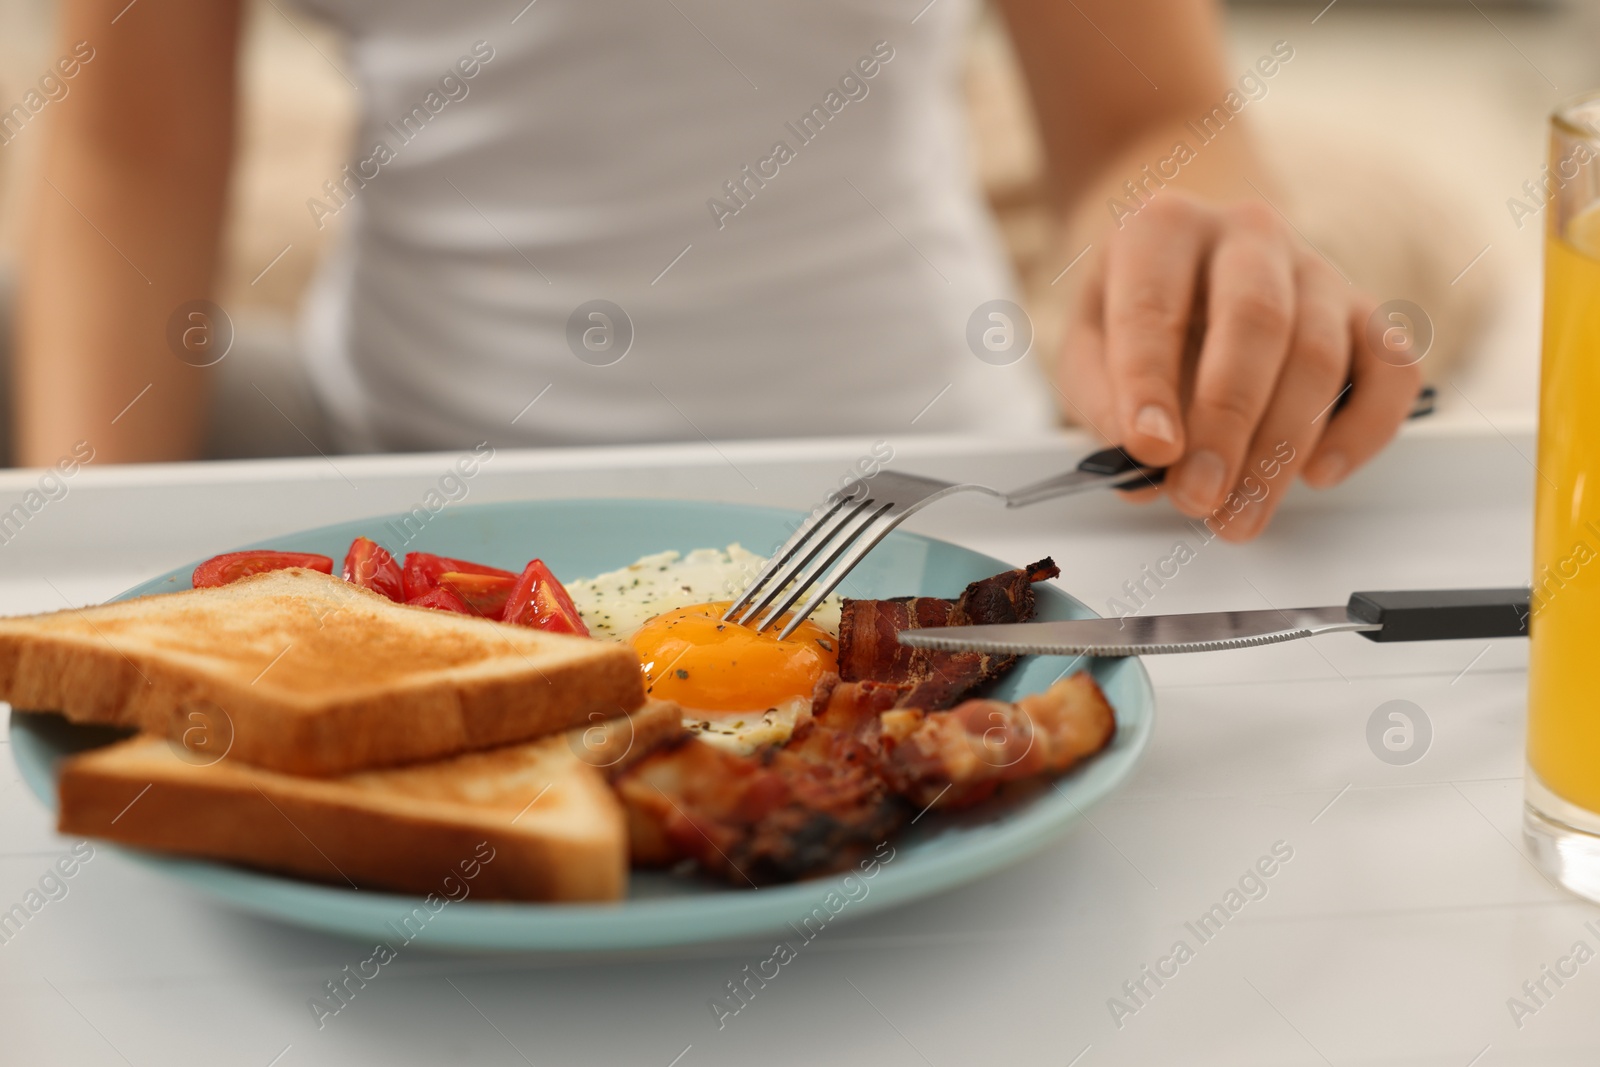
(1115, 468)
(1405, 615)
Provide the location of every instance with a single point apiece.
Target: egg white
(616, 604)
(744, 731)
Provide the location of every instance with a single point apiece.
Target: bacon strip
(849, 778)
(951, 759)
(930, 679)
(758, 819)
(874, 751)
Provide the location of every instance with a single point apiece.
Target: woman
(683, 219)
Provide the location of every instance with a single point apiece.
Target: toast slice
(302, 672)
(532, 821)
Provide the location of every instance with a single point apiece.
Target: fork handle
(1110, 462)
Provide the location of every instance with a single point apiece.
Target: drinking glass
(1562, 797)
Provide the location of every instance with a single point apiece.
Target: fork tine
(840, 545)
(879, 529)
(790, 573)
(780, 557)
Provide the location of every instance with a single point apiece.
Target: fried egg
(738, 688)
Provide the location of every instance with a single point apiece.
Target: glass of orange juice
(1562, 814)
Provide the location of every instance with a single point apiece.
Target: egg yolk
(689, 655)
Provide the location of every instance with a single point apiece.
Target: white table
(1406, 918)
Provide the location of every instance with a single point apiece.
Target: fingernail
(1153, 421)
(1327, 470)
(1249, 524)
(1201, 480)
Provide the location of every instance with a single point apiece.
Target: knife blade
(1395, 615)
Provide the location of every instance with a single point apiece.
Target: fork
(851, 521)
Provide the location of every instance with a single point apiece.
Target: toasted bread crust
(394, 684)
(533, 821)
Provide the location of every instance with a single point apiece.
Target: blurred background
(1400, 131)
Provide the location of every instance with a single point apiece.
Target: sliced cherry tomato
(231, 566)
(485, 594)
(369, 565)
(540, 601)
(422, 571)
(442, 599)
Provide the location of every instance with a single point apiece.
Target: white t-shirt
(776, 195)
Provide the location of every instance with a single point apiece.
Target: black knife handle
(1442, 614)
(1113, 461)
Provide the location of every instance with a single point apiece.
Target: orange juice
(1564, 659)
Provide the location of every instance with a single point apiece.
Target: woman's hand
(1210, 339)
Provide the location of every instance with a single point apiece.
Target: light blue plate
(586, 537)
